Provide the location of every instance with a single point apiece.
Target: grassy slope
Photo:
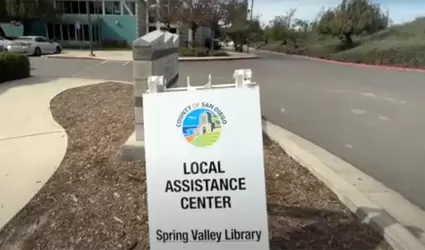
(402, 45)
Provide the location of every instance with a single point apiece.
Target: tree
(236, 22)
(255, 31)
(168, 11)
(281, 28)
(26, 11)
(352, 18)
(197, 13)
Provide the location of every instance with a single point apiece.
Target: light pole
(250, 19)
(158, 24)
(90, 28)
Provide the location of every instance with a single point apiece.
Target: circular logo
(201, 127)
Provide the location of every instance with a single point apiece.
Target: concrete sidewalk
(32, 143)
(127, 55)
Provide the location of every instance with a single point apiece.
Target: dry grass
(94, 201)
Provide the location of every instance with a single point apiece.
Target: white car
(34, 45)
(3, 43)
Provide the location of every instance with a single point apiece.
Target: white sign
(205, 170)
(77, 25)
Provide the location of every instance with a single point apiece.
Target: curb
(368, 199)
(217, 58)
(363, 65)
(181, 59)
(77, 57)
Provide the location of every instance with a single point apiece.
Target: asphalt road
(372, 118)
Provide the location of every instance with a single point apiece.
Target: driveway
(371, 118)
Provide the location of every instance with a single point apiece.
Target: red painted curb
(364, 65)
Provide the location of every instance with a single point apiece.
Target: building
(114, 24)
(206, 124)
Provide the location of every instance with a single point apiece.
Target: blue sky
(192, 119)
(400, 11)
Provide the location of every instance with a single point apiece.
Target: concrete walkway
(32, 144)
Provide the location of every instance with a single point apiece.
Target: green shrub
(13, 66)
(201, 52)
(185, 51)
(399, 45)
(397, 53)
(218, 53)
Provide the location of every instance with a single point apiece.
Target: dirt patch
(94, 201)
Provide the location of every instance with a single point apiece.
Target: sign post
(205, 166)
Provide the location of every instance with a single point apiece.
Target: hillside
(400, 45)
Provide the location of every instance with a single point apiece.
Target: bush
(397, 53)
(212, 44)
(185, 51)
(200, 52)
(218, 53)
(13, 66)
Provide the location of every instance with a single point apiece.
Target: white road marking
(369, 94)
(395, 100)
(90, 68)
(373, 95)
(383, 118)
(358, 111)
(126, 63)
(348, 146)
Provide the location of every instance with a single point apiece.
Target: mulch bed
(95, 201)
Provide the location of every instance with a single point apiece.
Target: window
(112, 8)
(41, 40)
(95, 7)
(72, 34)
(74, 7)
(59, 5)
(65, 32)
(57, 32)
(80, 33)
(83, 7)
(95, 33)
(67, 8)
(86, 35)
(129, 8)
(50, 31)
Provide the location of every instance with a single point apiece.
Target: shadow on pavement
(32, 80)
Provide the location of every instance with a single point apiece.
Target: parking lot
(123, 70)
